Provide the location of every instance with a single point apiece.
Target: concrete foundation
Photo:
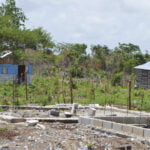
(124, 129)
(127, 120)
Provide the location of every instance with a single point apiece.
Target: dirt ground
(60, 136)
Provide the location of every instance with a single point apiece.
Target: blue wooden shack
(10, 71)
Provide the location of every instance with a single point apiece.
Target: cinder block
(127, 129)
(129, 120)
(107, 124)
(91, 112)
(54, 113)
(140, 120)
(118, 119)
(147, 133)
(138, 131)
(117, 126)
(97, 122)
(80, 120)
(86, 121)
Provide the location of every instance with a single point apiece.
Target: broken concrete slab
(67, 114)
(40, 126)
(4, 147)
(12, 119)
(63, 120)
(3, 123)
(124, 147)
(31, 122)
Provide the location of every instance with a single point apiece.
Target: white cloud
(93, 22)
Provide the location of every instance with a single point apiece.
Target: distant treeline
(49, 57)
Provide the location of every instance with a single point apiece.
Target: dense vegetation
(61, 68)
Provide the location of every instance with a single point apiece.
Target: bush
(116, 79)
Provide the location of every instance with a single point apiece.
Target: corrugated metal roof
(5, 53)
(145, 66)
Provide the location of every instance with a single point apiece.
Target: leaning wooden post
(71, 88)
(129, 98)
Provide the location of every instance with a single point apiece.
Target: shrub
(116, 79)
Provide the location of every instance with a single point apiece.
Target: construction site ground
(62, 136)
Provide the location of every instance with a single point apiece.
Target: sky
(104, 22)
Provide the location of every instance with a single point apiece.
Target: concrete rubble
(91, 112)
(53, 112)
(31, 122)
(98, 128)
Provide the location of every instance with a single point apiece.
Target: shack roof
(5, 53)
(145, 66)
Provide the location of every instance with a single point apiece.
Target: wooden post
(63, 90)
(71, 88)
(13, 90)
(129, 98)
(26, 86)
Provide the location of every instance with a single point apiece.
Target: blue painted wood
(30, 69)
(0, 69)
(12, 69)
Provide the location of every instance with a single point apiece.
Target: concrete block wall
(97, 122)
(7, 77)
(11, 77)
(29, 78)
(127, 120)
(127, 129)
(147, 133)
(138, 131)
(107, 124)
(116, 127)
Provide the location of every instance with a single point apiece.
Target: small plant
(2, 109)
(3, 128)
(5, 101)
(90, 146)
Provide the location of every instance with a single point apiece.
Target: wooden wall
(6, 60)
(143, 78)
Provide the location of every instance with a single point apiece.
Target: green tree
(126, 56)
(127, 48)
(16, 15)
(100, 53)
(73, 57)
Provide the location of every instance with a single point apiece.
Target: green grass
(50, 90)
(3, 128)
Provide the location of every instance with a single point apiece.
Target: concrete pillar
(74, 109)
(91, 112)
